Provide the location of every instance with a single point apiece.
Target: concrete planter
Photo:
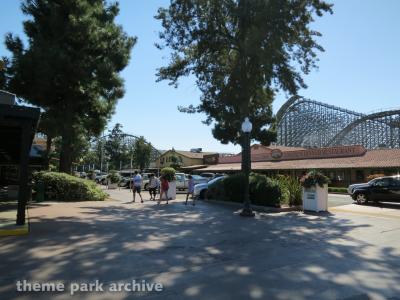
(171, 191)
(315, 198)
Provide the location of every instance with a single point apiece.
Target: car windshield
(197, 177)
(371, 182)
(215, 179)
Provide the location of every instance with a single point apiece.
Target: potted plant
(315, 191)
(169, 174)
(113, 179)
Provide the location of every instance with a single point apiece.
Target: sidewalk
(381, 211)
(8, 215)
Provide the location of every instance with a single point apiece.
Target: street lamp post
(246, 157)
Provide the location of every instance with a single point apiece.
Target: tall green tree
(48, 126)
(241, 53)
(4, 73)
(142, 152)
(71, 65)
(116, 148)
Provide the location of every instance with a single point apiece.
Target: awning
(193, 167)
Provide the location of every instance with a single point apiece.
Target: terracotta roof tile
(381, 158)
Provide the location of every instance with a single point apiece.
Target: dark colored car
(385, 189)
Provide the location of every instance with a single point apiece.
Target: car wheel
(361, 198)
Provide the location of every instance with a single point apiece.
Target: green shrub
(292, 191)
(169, 173)
(314, 178)
(216, 190)
(337, 190)
(114, 177)
(263, 190)
(90, 174)
(233, 187)
(64, 187)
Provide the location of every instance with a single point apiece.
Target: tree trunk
(49, 141)
(66, 148)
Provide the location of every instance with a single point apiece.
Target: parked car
(101, 178)
(209, 176)
(200, 190)
(127, 180)
(182, 180)
(386, 189)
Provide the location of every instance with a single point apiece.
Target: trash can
(40, 189)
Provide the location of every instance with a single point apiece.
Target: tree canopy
(241, 53)
(142, 152)
(71, 65)
(117, 150)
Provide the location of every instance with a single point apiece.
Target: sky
(359, 70)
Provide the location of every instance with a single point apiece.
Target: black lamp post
(246, 157)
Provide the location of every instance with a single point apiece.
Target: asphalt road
(205, 252)
(338, 200)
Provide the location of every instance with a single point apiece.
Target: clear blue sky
(358, 71)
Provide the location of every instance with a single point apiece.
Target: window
(395, 182)
(360, 175)
(340, 176)
(383, 182)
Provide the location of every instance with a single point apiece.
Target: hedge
(64, 187)
(337, 190)
(169, 173)
(114, 177)
(263, 190)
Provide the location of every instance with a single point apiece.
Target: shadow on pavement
(201, 252)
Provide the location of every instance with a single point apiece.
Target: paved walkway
(203, 252)
(8, 215)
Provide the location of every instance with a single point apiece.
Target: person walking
(164, 189)
(137, 186)
(153, 185)
(190, 190)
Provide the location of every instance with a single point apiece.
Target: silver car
(200, 190)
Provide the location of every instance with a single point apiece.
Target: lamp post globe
(246, 125)
(246, 166)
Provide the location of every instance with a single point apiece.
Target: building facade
(344, 165)
(184, 159)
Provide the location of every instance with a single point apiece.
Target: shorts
(137, 189)
(153, 191)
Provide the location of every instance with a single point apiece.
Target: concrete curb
(258, 207)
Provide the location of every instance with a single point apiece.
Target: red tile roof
(380, 158)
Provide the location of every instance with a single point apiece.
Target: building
(342, 164)
(186, 160)
(17, 129)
